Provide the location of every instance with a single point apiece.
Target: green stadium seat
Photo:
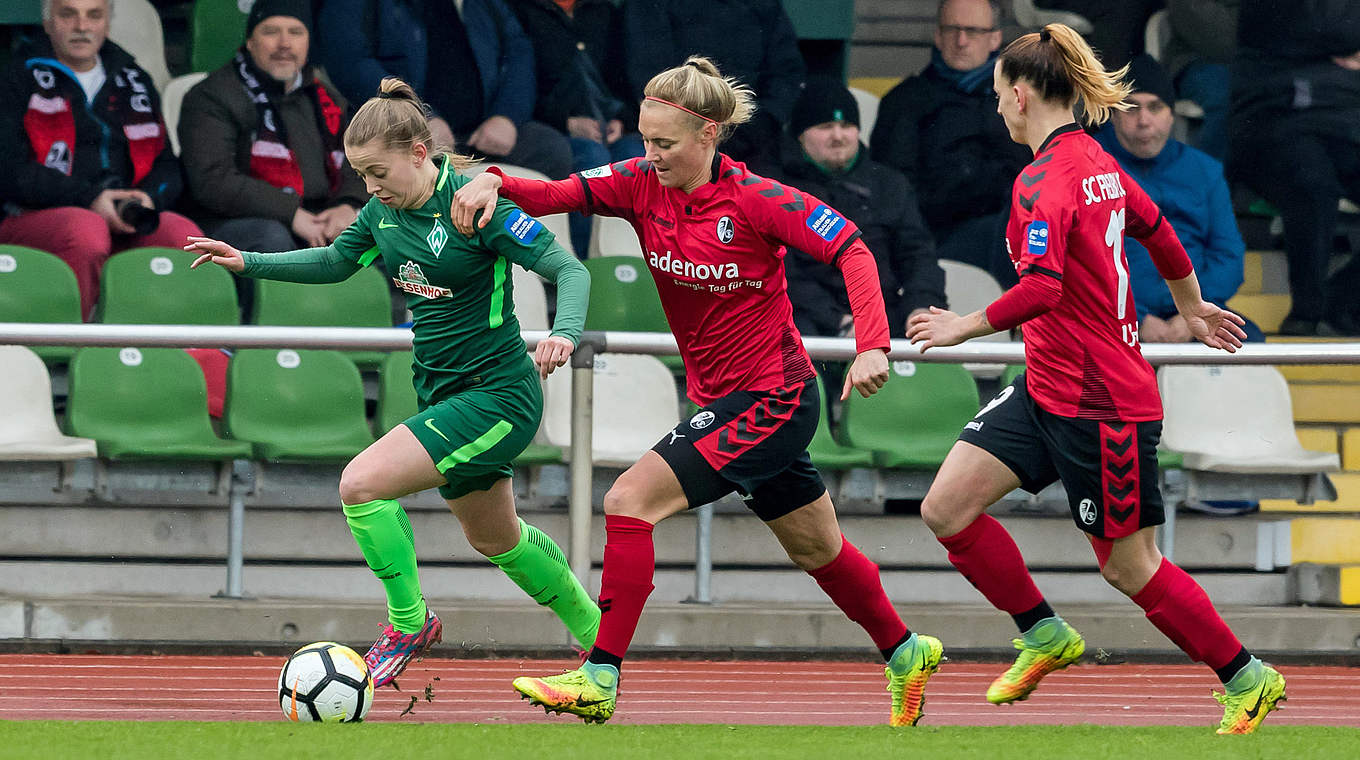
(913, 421)
(36, 286)
(149, 403)
(623, 297)
(538, 454)
(155, 286)
(396, 393)
(216, 30)
(363, 300)
(296, 405)
(1011, 372)
(826, 452)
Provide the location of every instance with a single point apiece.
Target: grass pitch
(572, 741)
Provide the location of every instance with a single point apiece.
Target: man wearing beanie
(1189, 187)
(822, 155)
(940, 128)
(261, 141)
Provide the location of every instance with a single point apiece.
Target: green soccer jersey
(458, 288)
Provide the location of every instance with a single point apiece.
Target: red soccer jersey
(1069, 211)
(717, 256)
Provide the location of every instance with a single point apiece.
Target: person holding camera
(83, 142)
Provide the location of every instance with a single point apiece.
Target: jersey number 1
(1114, 237)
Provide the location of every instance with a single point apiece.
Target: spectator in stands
(582, 85)
(750, 40)
(940, 128)
(823, 156)
(262, 141)
(1203, 40)
(1188, 186)
(1117, 28)
(84, 145)
(470, 62)
(1294, 138)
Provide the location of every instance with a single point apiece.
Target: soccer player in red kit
(715, 236)
(1086, 411)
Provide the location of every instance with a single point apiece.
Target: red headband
(682, 108)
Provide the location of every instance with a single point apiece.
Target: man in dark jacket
(471, 63)
(262, 141)
(83, 141)
(751, 40)
(823, 156)
(941, 129)
(1294, 137)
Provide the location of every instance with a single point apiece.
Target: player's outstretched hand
(215, 251)
(1215, 327)
(938, 327)
(478, 195)
(867, 373)
(551, 354)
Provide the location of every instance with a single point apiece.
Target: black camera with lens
(142, 219)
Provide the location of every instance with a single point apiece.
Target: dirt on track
(105, 687)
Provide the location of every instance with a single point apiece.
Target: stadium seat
(136, 27)
(216, 30)
(36, 286)
(1011, 372)
(868, 112)
(556, 223)
(1155, 36)
(1032, 17)
(28, 427)
(612, 236)
(623, 297)
(914, 420)
(362, 300)
(144, 403)
(1235, 419)
(155, 286)
(396, 394)
(825, 451)
(297, 405)
(531, 303)
(635, 404)
(172, 98)
(969, 289)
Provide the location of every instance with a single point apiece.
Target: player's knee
(1118, 576)
(939, 517)
(623, 500)
(359, 484)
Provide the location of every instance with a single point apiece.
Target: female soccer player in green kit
(479, 393)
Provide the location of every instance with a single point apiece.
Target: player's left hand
(867, 373)
(551, 354)
(1215, 327)
(937, 327)
(478, 195)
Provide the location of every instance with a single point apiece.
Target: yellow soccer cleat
(588, 692)
(1244, 711)
(910, 667)
(1050, 645)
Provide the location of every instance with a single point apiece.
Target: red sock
(852, 582)
(1178, 606)
(625, 582)
(988, 557)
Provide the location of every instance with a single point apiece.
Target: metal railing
(582, 365)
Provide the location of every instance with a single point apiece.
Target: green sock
(383, 533)
(537, 566)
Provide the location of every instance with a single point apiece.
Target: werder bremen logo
(412, 280)
(437, 238)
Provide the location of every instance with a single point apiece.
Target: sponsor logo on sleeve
(523, 227)
(599, 171)
(825, 222)
(1036, 238)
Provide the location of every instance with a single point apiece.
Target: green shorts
(473, 435)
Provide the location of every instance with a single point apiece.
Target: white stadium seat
(28, 428)
(136, 27)
(172, 98)
(1032, 17)
(635, 404)
(1236, 419)
(612, 236)
(970, 289)
(868, 112)
(531, 303)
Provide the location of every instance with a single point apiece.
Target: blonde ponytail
(400, 119)
(700, 89)
(1062, 67)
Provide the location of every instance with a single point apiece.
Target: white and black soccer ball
(325, 682)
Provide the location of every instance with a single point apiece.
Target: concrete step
(1331, 585)
(1267, 310)
(278, 624)
(1325, 540)
(1319, 438)
(878, 85)
(298, 535)
(1350, 448)
(1326, 402)
(1347, 498)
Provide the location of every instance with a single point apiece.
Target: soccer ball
(325, 682)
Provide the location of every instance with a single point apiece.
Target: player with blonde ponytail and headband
(478, 391)
(715, 233)
(1086, 411)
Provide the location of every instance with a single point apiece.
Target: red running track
(98, 687)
